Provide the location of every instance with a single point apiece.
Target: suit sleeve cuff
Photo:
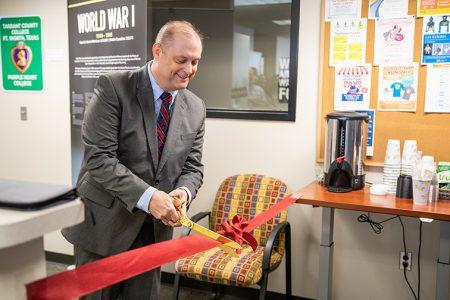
(188, 194)
(144, 201)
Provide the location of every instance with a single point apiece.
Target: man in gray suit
(143, 138)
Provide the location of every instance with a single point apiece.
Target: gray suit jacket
(120, 159)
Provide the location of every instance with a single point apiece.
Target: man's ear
(156, 51)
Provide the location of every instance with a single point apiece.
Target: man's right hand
(162, 208)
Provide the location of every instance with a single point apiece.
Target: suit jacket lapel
(146, 101)
(174, 128)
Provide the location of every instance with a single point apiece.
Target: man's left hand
(182, 195)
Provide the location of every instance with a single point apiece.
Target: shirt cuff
(188, 193)
(144, 201)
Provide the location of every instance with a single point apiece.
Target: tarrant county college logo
(21, 56)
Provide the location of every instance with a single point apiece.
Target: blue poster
(436, 39)
(370, 130)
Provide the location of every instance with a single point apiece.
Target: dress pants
(144, 286)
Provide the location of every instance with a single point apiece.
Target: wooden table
(317, 195)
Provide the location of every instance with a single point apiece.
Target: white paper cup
(409, 151)
(421, 191)
(392, 155)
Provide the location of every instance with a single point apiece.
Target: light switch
(23, 113)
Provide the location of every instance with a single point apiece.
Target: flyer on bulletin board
(436, 40)
(340, 9)
(432, 7)
(352, 87)
(397, 87)
(370, 131)
(437, 94)
(387, 9)
(394, 41)
(348, 41)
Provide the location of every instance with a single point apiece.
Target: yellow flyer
(348, 41)
(432, 7)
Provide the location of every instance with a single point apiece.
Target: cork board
(431, 130)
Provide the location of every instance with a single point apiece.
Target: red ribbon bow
(235, 230)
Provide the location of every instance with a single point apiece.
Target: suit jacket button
(156, 183)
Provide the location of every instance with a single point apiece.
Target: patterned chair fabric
(247, 195)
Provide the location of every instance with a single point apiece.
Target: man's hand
(182, 196)
(162, 208)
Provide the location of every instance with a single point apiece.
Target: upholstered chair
(246, 195)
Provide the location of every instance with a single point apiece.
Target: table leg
(326, 254)
(443, 264)
(19, 265)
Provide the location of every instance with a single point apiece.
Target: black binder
(24, 195)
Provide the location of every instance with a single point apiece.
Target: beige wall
(39, 149)
(365, 264)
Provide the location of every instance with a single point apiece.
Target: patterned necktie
(163, 121)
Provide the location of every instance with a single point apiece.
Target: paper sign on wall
(21, 46)
(394, 41)
(348, 41)
(370, 131)
(437, 95)
(436, 40)
(397, 87)
(352, 87)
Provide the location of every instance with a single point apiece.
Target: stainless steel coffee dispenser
(345, 150)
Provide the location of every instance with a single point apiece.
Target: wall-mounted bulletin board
(431, 130)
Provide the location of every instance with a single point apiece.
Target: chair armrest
(197, 217)
(284, 226)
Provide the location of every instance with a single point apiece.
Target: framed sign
(21, 46)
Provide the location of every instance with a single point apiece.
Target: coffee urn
(345, 150)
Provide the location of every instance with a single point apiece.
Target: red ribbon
(235, 230)
(97, 275)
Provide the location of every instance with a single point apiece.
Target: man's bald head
(167, 33)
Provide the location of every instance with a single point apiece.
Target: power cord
(404, 249)
(377, 227)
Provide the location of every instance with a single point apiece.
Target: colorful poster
(352, 87)
(370, 131)
(348, 41)
(387, 9)
(21, 46)
(436, 40)
(397, 87)
(437, 95)
(432, 7)
(341, 9)
(394, 41)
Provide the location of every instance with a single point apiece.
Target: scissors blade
(227, 245)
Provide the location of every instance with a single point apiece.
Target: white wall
(39, 149)
(365, 264)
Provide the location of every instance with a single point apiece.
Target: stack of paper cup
(392, 165)
(408, 156)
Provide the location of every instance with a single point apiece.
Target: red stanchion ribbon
(97, 275)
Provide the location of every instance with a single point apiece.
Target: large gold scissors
(229, 246)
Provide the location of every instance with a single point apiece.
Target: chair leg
(215, 291)
(176, 286)
(263, 286)
(288, 263)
